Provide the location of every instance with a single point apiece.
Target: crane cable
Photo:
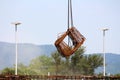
(70, 15)
(70, 19)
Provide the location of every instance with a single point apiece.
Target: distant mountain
(26, 52)
(112, 64)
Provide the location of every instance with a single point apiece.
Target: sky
(42, 21)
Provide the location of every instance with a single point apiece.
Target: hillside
(112, 64)
(26, 52)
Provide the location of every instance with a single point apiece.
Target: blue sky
(42, 20)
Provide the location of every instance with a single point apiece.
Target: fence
(53, 77)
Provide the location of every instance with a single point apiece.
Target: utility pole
(104, 58)
(16, 46)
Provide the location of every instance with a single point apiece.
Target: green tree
(57, 61)
(94, 61)
(65, 66)
(25, 70)
(88, 63)
(8, 71)
(41, 65)
(76, 59)
(85, 64)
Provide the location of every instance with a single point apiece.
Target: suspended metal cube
(77, 40)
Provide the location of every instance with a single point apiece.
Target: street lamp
(104, 29)
(16, 48)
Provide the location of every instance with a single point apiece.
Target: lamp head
(105, 29)
(16, 23)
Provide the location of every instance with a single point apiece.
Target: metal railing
(54, 77)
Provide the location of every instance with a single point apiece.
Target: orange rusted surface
(77, 40)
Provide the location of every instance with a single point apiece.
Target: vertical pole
(16, 49)
(103, 52)
(104, 57)
(16, 46)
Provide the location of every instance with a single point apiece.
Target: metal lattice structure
(77, 39)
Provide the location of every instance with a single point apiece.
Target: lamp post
(16, 47)
(104, 29)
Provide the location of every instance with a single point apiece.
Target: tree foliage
(41, 65)
(56, 61)
(77, 64)
(8, 71)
